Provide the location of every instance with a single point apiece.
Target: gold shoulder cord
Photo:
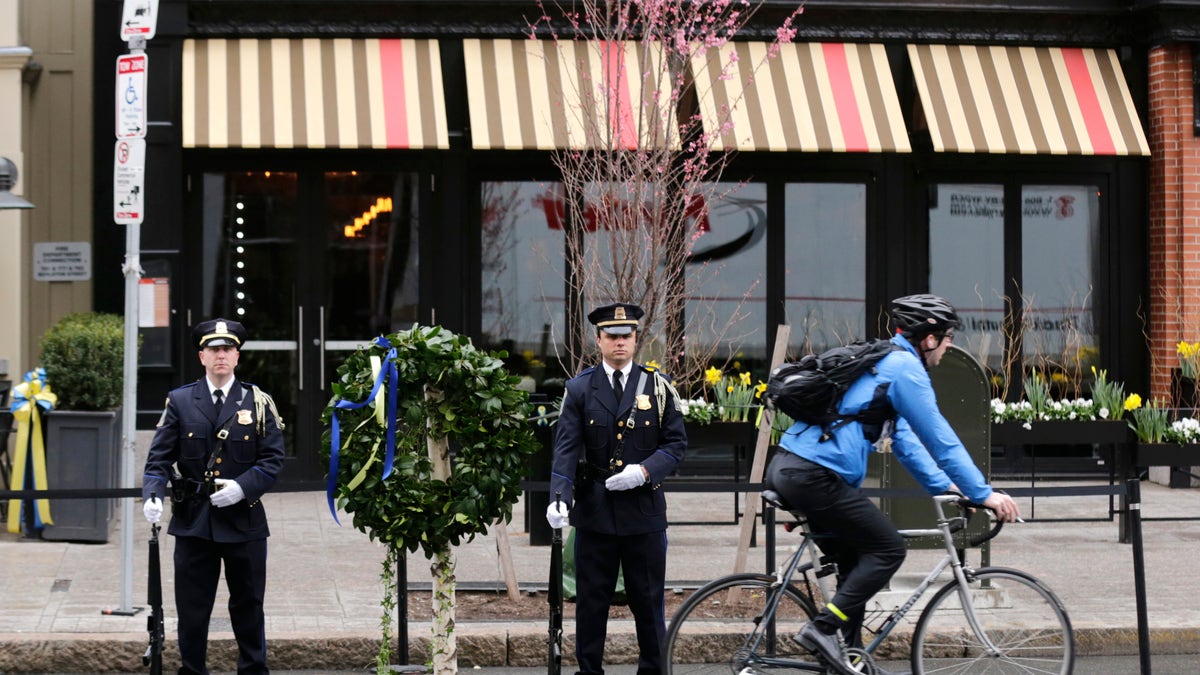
(263, 402)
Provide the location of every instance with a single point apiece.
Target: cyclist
(822, 477)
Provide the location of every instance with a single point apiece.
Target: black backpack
(810, 390)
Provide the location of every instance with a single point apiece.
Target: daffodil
(712, 375)
(1133, 402)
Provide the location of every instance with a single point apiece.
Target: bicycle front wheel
(1021, 618)
(720, 629)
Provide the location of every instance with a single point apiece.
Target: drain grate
(61, 586)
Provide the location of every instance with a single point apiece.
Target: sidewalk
(323, 595)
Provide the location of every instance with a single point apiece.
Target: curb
(482, 644)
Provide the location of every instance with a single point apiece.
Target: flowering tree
(641, 170)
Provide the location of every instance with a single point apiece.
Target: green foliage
(476, 406)
(1109, 396)
(84, 358)
(1150, 423)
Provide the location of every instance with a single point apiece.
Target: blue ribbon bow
(387, 373)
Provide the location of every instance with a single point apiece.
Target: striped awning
(1043, 100)
(313, 93)
(816, 97)
(567, 94)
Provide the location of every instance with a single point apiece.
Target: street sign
(139, 18)
(129, 180)
(131, 95)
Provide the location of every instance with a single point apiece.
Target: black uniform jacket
(187, 437)
(588, 429)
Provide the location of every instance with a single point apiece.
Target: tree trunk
(444, 648)
(439, 448)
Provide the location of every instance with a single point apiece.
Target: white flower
(1103, 413)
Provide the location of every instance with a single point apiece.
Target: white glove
(557, 515)
(153, 509)
(630, 477)
(228, 493)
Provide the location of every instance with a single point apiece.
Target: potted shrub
(83, 355)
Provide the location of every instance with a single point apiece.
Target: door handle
(300, 345)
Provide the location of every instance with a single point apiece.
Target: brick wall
(1174, 212)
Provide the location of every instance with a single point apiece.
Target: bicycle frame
(946, 527)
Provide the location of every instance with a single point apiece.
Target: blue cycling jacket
(923, 440)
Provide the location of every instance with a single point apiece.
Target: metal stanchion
(1134, 490)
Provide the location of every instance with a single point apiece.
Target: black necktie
(617, 385)
(219, 397)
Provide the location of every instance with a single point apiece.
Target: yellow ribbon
(27, 396)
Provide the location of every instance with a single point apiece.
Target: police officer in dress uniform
(225, 439)
(620, 434)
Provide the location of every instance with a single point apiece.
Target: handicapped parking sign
(131, 95)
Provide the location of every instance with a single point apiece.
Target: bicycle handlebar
(970, 508)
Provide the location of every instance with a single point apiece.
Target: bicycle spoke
(720, 630)
(1026, 626)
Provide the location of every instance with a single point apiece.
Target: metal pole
(133, 275)
(1133, 489)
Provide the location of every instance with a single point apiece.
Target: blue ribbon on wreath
(388, 376)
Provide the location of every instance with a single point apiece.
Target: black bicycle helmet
(924, 313)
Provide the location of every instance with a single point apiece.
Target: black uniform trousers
(853, 531)
(642, 558)
(197, 572)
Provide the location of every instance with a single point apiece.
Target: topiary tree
(397, 407)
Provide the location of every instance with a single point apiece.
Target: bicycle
(992, 619)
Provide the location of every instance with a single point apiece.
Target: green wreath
(446, 389)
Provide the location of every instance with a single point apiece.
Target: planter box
(719, 449)
(82, 453)
(1062, 432)
(1169, 463)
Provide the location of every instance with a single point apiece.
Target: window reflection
(825, 285)
(523, 308)
(966, 265)
(1059, 228)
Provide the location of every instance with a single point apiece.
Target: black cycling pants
(855, 533)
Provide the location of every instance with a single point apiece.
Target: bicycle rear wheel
(719, 629)
(1022, 618)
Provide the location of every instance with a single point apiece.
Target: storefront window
(522, 257)
(1054, 283)
(1059, 231)
(726, 280)
(825, 263)
(966, 264)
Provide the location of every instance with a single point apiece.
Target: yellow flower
(745, 378)
(652, 364)
(712, 375)
(1058, 377)
(729, 389)
(760, 389)
(1133, 402)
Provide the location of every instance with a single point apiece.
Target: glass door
(315, 265)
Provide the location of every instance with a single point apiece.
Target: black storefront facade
(320, 231)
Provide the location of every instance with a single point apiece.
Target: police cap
(618, 318)
(218, 333)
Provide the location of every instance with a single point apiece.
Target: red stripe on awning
(1089, 103)
(620, 107)
(395, 115)
(844, 99)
